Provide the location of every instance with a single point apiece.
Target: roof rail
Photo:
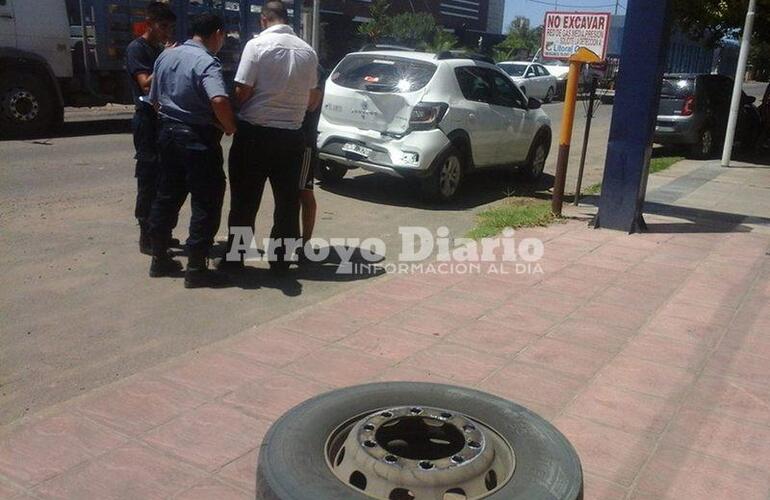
(374, 47)
(458, 54)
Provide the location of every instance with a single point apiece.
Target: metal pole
(316, 42)
(617, 4)
(565, 138)
(740, 74)
(298, 17)
(586, 136)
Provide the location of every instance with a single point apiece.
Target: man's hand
(223, 112)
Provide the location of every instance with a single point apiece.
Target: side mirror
(534, 103)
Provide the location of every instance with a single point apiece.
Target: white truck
(35, 64)
(44, 65)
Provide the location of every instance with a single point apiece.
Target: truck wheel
(331, 172)
(27, 105)
(407, 440)
(445, 181)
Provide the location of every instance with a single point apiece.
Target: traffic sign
(565, 32)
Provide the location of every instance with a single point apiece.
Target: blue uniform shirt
(184, 81)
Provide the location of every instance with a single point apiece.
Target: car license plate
(356, 149)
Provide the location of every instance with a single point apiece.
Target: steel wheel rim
(449, 177)
(22, 105)
(360, 453)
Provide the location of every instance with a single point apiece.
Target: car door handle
(6, 16)
(472, 117)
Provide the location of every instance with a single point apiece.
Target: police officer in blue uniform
(189, 92)
(141, 55)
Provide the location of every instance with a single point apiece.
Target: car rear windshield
(513, 69)
(677, 88)
(383, 74)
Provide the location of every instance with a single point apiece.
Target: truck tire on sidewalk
(28, 105)
(300, 457)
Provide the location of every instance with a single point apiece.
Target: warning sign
(565, 32)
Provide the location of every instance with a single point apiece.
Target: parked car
(693, 112)
(533, 79)
(433, 118)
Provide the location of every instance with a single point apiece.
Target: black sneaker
(164, 266)
(204, 278)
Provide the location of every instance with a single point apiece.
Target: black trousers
(144, 126)
(191, 162)
(259, 154)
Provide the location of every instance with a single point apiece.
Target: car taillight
(689, 106)
(427, 115)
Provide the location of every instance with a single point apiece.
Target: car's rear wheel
(549, 95)
(706, 145)
(538, 154)
(444, 183)
(331, 172)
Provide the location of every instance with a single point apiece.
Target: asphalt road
(77, 309)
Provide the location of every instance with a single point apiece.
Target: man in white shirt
(273, 83)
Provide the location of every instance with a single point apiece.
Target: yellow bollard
(582, 56)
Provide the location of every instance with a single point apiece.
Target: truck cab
(34, 57)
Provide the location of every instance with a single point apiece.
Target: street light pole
(740, 75)
(316, 38)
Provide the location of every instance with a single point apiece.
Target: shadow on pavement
(479, 189)
(80, 129)
(699, 220)
(256, 275)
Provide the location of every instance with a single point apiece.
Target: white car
(431, 117)
(533, 78)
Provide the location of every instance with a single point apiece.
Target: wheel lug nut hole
(425, 465)
(370, 444)
(446, 415)
(474, 444)
(416, 410)
(391, 459)
(458, 459)
(386, 414)
(369, 427)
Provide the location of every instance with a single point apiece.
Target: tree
(376, 28)
(442, 41)
(411, 29)
(521, 38)
(720, 18)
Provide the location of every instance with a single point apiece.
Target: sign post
(642, 63)
(580, 38)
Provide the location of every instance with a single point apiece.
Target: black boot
(162, 263)
(198, 275)
(145, 241)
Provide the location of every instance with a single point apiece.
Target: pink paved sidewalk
(650, 352)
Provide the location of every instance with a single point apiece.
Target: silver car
(533, 79)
